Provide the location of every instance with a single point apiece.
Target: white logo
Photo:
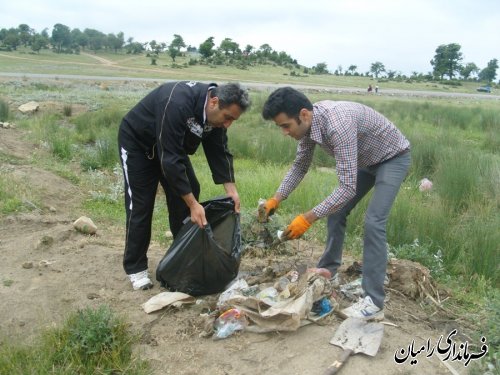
(194, 127)
(191, 83)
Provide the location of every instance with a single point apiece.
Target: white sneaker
(364, 309)
(140, 280)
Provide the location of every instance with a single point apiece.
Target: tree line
(447, 61)
(63, 39)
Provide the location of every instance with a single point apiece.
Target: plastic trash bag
(204, 261)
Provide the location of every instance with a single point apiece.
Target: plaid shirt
(356, 136)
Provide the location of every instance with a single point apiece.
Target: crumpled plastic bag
(425, 185)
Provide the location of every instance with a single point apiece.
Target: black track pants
(142, 176)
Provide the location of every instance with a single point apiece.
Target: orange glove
(297, 228)
(267, 209)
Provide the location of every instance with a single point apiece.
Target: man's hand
(198, 215)
(197, 211)
(267, 209)
(297, 228)
(231, 191)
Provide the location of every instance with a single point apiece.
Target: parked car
(484, 89)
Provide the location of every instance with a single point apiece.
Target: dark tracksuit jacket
(155, 140)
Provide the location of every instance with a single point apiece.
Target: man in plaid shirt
(370, 152)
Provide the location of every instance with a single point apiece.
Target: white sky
(401, 34)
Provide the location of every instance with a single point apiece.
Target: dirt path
(102, 60)
(48, 270)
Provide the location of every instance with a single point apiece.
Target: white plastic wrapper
(425, 185)
(279, 234)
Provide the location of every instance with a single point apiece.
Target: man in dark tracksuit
(155, 139)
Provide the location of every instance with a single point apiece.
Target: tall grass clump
(438, 115)
(103, 154)
(9, 200)
(464, 178)
(260, 140)
(4, 110)
(91, 341)
(98, 132)
(67, 110)
(59, 140)
(478, 242)
(91, 125)
(424, 153)
(49, 131)
(252, 137)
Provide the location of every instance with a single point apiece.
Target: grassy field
(139, 66)
(452, 229)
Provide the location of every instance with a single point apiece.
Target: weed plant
(15, 192)
(91, 341)
(10, 200)
(4, 110)
(67, 110)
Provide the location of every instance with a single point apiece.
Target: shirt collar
(315, 130)
(205, 105)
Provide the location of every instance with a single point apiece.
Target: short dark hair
(231, 93)
(285, 100)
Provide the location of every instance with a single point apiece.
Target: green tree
(134, 48)
(178, 43)
(206, 48)
(80, 40)
(469, 69)
(376, 68)
(228, 45)
(156, 49)
(265, 50)
(38, 42)
(115, 42)
(447, 60)
(174, 49)
(320, 68)
(61, 37)
(173, 52)
(45, 33)
(10, 38)
(391, 74)
(489, 73)
(25, 34)
(352, 69)
(97, 39)
(248, 49)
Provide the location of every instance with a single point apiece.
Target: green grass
(124, 65)
(91, 341)
(4, 110)
(15, 193)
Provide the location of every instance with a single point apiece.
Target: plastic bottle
(228, 322)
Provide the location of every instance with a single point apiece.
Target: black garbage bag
(204, 261)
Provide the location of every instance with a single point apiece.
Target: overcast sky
(401, 34)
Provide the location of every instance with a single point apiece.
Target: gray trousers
(386, 179)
